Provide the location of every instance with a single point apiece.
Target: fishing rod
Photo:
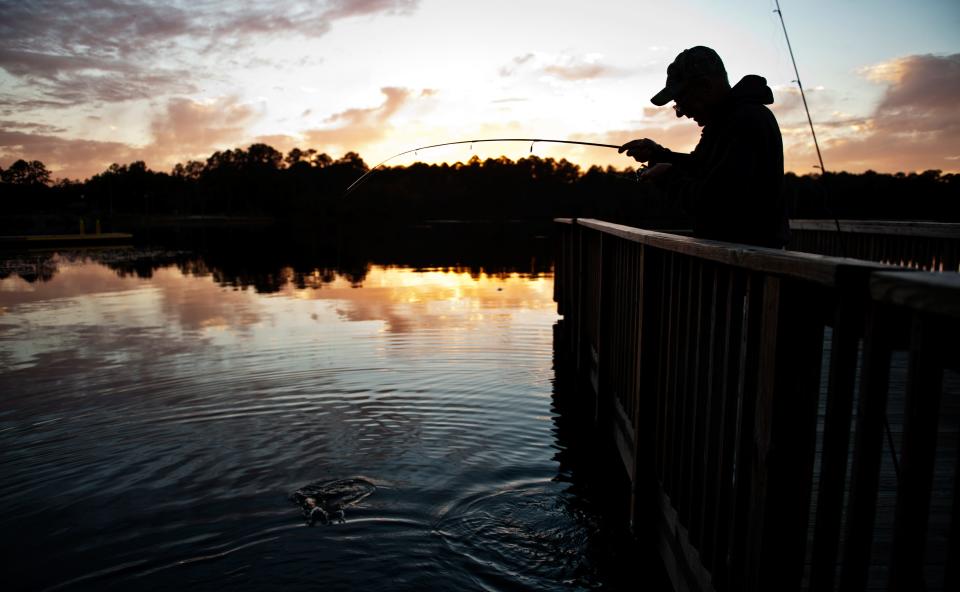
(823, 172)
(532, 141)
(813, 132)
(803, 95)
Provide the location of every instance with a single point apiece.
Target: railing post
(921, 415)
(688, 393)
(713, 451)
(664, 380)
(606, 353)
(675, 399)
(784, 434)
(576, 290)
(703, 343)
(868, 447)
(740, 459)
(643, 428)
(847, 326)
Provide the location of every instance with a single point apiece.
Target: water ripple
(150, 435)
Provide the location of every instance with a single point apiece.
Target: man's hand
(651, 173)
(641, 150)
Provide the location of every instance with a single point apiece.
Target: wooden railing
(708, 366)
(931, 246)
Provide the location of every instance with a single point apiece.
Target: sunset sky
(86, 84)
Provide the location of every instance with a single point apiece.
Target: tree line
(261, 181)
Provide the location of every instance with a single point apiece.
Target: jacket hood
(752, 89)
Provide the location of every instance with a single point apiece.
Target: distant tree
(300, 162)
(262, 155)
(308, 157)
(188, 172)
(322, 160)
(27, 173)
(294, 156)
(353, 160)
(224, 161)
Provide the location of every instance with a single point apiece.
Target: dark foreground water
(157, 413)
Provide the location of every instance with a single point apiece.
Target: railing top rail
(883, 227)
(806, 266)
(936, 293)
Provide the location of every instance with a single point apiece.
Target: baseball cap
(689, 64)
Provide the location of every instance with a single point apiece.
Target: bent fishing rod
(532, 141)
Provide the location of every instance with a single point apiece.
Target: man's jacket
(732, 183)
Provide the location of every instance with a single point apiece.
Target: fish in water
(325, 502)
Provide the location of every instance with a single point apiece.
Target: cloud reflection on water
(404, 299)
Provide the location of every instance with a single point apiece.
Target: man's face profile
(693, 101)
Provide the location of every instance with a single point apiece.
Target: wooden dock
(757, 393)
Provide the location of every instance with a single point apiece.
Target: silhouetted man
(732, 182)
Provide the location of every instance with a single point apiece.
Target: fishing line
(813, 132)
(803, 95)
(823, 172)
(532, 141)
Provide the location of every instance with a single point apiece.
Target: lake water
(158, 411)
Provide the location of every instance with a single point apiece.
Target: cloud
(189, 128)
(116, 50)
(515, 63)
(282, 142)
(351, 8)
(96, 29)
(564, 67)
(71, 158)
(355, 127)
(395, 98)
(916, 124)
(11, 105)
(584, 71)
(184, 129)
(788, 103)
(73, 79)
(923, 94)
(77, 52)
(41, 128)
